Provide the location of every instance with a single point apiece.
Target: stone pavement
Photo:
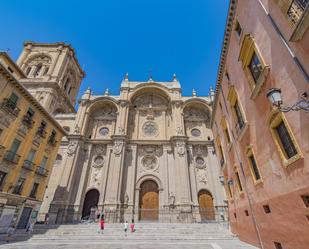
(147, 236)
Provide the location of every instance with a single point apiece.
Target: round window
(195, 132)
(150, 128)
(99, 160)
(199, 161)
(104, 131)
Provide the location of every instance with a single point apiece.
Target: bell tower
(53, 75)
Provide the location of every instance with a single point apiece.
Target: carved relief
(100, 149)
(193, 113)
(108, 112)
(180, 146)
(155, 150)
(150, 129)
(118, 145)
(72, 148)
(98, 162)
(146, 101)
(149, 162)
(200, 162)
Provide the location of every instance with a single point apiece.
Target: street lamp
(274, 97)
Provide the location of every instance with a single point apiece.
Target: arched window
(37, 70)
(66, 84)
(28, 71)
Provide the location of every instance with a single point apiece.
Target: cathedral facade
(147, 153)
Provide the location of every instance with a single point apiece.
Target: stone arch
(98, 102)
(196, 114)
(40, 59)
(149, 177)
(90, 204)
(149, 88)
(206, 205)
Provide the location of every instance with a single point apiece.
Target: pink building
(264, 151)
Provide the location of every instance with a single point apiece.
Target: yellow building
(29, 141)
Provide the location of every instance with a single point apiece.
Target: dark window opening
(305, 200)
(254, 168)
(246, 212)
(34, 190)
(240, 120)
(235, 215)
(286, 140)
(255, 67)
(19, 186)
(238, 28)
(37, 70)
(278, 245)
(266, 209)
(238, 181)
(2, 178)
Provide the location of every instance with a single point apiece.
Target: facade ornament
(106, 93)
(72, 148)
(120, 130)
(126, 199)
(118, 147)
(171, 200)
(202, 179)
(76, 129)
(100, 149)
(174, 77)
(193, 93)
(179, 131)
(180, 148)
(126, 77)
(149, 162)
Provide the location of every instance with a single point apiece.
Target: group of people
(125, 225)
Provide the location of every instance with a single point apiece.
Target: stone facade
(147, 148)
(264, 152)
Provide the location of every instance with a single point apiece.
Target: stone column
(130, 184)
(114, 180)
(82, 186)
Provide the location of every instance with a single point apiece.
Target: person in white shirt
(126, 226)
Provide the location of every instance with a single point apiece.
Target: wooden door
(149, 201)
(205, 200)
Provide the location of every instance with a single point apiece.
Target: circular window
(104, 131)
(150, 128)
(199, 161)
(195, 132)
(149, 162)
(98, 160)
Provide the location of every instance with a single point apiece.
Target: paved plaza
(147, 236)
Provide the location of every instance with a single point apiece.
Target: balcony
(10, 107)
(296, 10)
(52, 141)
(11, 157)
(41, 171)
(27, 121)
(28, 165)
(41, 132)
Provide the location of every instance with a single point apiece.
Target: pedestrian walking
(101, 223)
(126, 226)
(132, 226)
(30, 228)
(46, 219)
(9, 233)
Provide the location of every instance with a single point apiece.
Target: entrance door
(149, 201)
(91, 201)
(24, 218)
(205, 200)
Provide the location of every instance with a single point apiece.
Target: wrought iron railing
(10, 107)
(41, 132)
(27, 120)
(12, 157)
(28, 165)
(239, 126)
(296, 10)
(41, 171)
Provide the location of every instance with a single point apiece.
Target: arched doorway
(206, 204)
(149, 201)
(91, 201)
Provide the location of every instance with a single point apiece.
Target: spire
(87, 93)
(106, 93)
(174, 77)
(126, 77)
(212, 94)
(150, 79)
(193, 93)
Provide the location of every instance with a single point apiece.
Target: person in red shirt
(132, 226)
(101, 223)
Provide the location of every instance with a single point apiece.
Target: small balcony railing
(12, 157)
(28, 165)
(41, 171)
(296, 10)
(27, 120)
(41, 132)
(10, 107)
(52, 141)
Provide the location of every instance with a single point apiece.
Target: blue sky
(112, 37)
